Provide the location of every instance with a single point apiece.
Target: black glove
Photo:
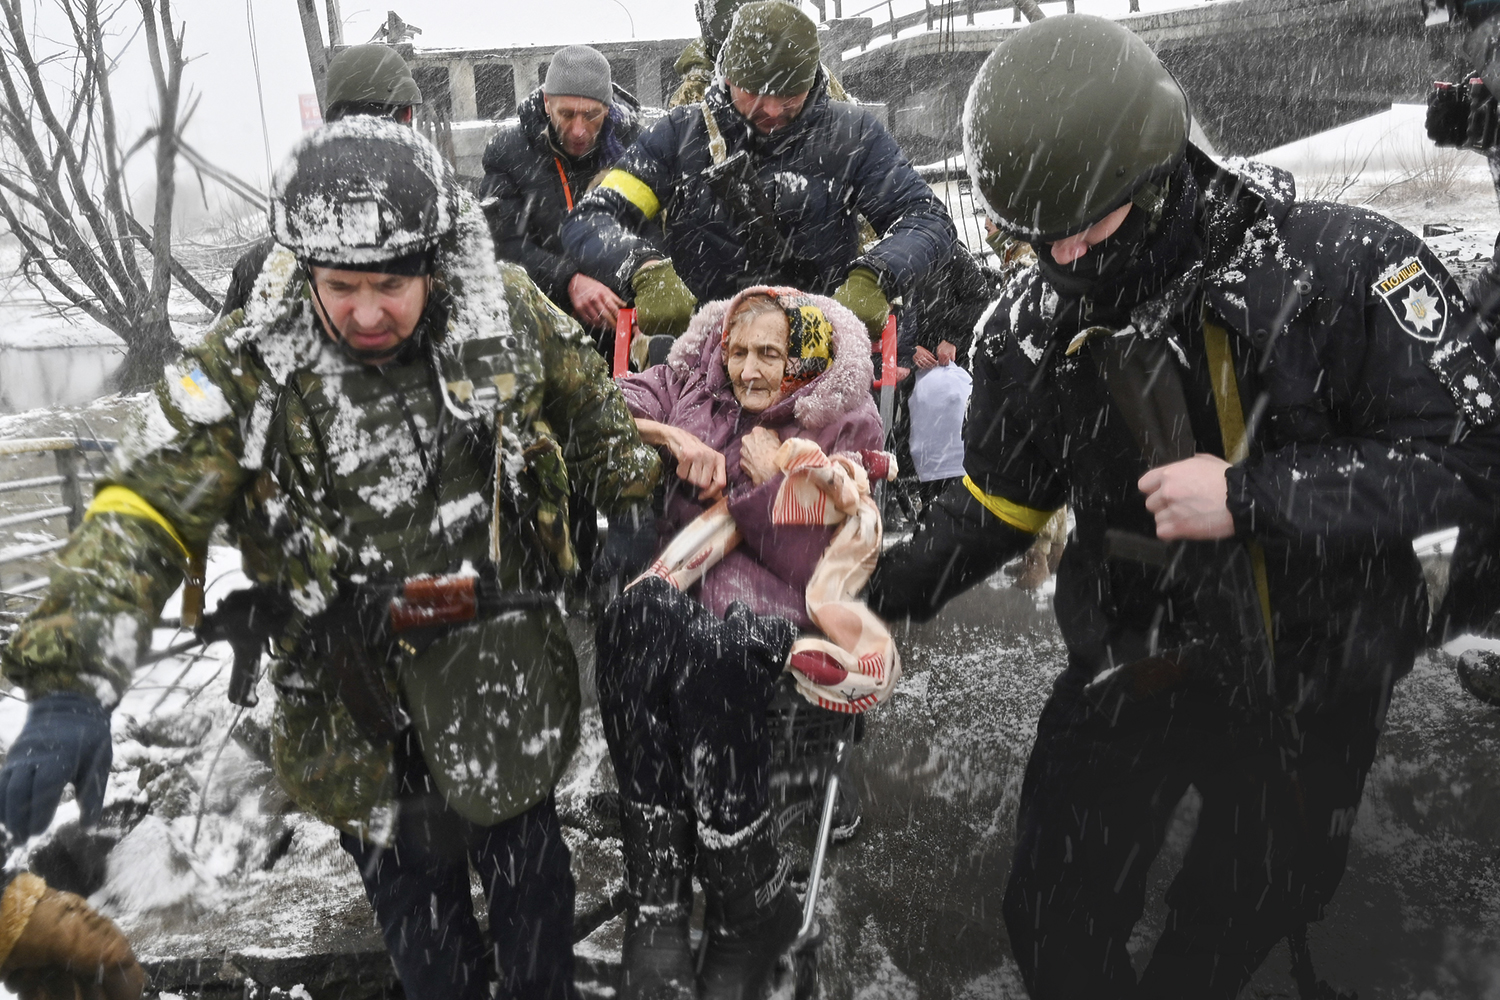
(1448, 114)
(1484, 123)
(65, 739)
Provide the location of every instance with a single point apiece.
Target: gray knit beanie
(579, 71)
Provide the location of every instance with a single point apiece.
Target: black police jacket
(1371, 406)
(834, 162)
(530, 185)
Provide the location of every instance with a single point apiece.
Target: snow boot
(657, 959)
(753, 915)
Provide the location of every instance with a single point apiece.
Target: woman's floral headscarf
(809, 347)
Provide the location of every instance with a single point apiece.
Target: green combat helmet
(1067, 120)
(772, 49)
(365, 75)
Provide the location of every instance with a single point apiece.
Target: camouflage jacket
(325, 471)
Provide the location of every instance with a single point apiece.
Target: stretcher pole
(886, 385)
(624, 326)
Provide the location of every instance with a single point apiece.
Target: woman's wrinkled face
(756, 358)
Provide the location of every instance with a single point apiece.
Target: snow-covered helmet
(361, 193)
(1066, 121)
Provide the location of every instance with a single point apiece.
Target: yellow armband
(1027, 519)
(120, 500)
(635, 190)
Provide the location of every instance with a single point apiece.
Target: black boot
(753, 915)
(657, 960)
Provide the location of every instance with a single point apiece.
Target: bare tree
(63, 190)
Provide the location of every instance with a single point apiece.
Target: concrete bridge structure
(1258, 72)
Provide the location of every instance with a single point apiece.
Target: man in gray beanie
(540, 164)
(577, 94)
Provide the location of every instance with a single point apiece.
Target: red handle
(440, 600)
(623, 326)
(887, 354)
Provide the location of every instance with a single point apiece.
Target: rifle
(1143, 381)
(247, 620)
(1221, 580)
(428, 601)
(360, 632)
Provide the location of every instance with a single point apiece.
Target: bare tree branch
(112, 161)
(35, 257)
(63, 187)
(185, 279)
(103, 235)
(91, 269)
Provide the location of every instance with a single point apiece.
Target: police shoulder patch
(1415, 299)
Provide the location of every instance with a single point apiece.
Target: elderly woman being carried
(765, 405)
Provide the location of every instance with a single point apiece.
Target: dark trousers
(419, 889)
(683, 695)
(1099, 792)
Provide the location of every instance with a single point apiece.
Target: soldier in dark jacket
(695, 65)
(1252, 406)
(540, 165)
(762, 183)
(944, 312)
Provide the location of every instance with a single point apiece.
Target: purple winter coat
(770, 568)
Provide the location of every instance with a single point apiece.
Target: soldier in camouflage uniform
(413, 409)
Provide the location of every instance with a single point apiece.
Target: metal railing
(69, 455)
(930, 15)
(938, 16)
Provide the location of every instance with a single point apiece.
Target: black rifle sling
(1227, 584)
(733, 179)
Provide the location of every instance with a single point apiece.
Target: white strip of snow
(18, 552)
(1439, 543)
(1391, 142)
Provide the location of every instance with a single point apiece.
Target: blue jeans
(419, 889)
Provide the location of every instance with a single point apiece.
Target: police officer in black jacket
(1252, 405)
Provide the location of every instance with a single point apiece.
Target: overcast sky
(227, 127)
